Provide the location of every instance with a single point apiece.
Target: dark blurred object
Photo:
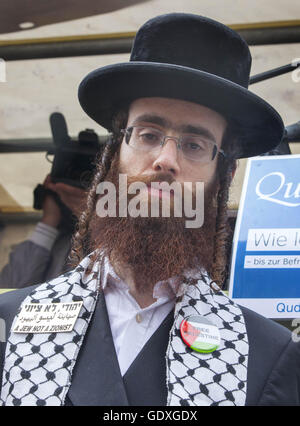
(74, 160)
(274, 72)
(39, 195)
(291, 134)
(68, 221)
(281, 149)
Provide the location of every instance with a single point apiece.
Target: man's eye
(149, 137)
(193, 146)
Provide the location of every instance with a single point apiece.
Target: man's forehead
(170, 104)
(177, 114)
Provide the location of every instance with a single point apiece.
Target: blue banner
(265, 269)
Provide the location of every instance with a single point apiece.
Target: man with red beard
(142, 319)
(160, 247)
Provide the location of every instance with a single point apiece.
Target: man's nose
(167, 159)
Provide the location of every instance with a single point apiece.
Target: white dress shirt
(131, 325)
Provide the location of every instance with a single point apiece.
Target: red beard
(154, 248)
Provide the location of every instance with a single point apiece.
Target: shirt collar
(170, 288)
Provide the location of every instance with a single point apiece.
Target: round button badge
(200, 334)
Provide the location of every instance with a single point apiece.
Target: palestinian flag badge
(200, 334)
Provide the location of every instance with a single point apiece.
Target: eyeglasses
(193, 147)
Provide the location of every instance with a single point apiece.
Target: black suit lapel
(96, 379)
(145, 380)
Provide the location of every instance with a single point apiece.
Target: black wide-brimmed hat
(192, 58)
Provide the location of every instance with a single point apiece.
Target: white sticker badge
(47, 318)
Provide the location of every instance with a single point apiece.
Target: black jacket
(273, 365)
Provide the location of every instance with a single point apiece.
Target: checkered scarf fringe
(38, 367)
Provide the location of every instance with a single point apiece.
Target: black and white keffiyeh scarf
(38, 367)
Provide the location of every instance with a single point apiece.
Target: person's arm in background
(29, 260)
